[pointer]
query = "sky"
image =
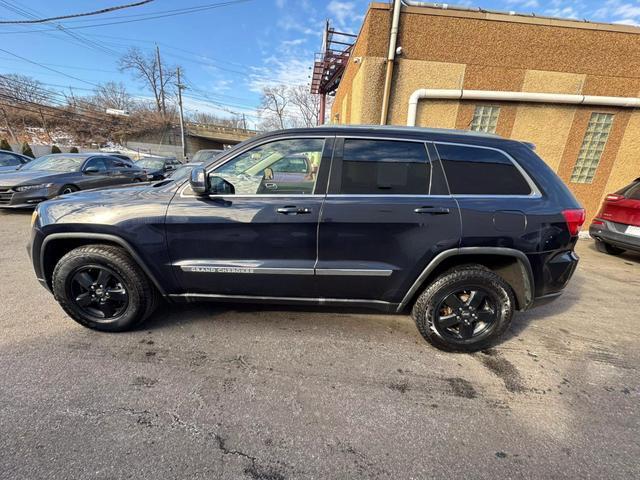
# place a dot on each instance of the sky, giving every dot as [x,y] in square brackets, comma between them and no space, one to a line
[228,49]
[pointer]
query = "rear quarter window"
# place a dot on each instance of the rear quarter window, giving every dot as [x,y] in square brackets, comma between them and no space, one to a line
[480,171]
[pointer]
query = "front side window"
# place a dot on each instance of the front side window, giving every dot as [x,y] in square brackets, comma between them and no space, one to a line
[592,147]
[485,119]
[279,168]
[98,163]
[385,167]
[480,171]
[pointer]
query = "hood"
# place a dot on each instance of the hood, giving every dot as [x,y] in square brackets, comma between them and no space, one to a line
[110,206]
[8,168]
[20,177]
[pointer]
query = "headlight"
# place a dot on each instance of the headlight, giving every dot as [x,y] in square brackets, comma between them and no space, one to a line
[26,188]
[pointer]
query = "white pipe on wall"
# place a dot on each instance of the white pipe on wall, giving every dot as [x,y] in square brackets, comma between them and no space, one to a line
[498,96]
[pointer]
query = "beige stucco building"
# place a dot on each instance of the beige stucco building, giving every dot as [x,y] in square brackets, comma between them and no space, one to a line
[595,148]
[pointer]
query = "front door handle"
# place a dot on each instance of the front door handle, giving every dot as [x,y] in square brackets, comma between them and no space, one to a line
[432,210]
[291,210]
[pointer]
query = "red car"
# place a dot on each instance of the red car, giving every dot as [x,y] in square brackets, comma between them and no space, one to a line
[616,228]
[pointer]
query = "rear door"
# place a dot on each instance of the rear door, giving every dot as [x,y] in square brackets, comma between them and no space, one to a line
[386,215]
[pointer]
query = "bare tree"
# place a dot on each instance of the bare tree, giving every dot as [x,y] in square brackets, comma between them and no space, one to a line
[273,106]
[112,95]
[282,106]
[22,88]
[146,68]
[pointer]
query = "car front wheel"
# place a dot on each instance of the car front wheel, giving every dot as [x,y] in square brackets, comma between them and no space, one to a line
[102,288]
[465,309]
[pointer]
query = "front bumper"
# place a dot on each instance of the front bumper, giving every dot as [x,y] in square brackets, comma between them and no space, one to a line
[11,199]
[613,233]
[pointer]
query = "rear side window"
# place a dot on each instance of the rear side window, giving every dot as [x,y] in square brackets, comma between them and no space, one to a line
[480,171]
[632,192]
[385,167]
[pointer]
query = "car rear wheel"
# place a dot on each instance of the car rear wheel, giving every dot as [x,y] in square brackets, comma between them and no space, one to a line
[102,288]
[465,309]
[605,247]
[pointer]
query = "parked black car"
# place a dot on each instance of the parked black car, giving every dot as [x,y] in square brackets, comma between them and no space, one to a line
[52,175]
[11,161]
[464,227]
[158,168]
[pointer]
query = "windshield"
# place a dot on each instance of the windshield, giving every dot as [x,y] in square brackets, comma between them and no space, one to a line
[55,163]
[203,156]
[151,163]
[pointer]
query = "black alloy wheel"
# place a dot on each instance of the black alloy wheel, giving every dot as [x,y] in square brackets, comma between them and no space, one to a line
[464,314]
[98,292]
[465,309]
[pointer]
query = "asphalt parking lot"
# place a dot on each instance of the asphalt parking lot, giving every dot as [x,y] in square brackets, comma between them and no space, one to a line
[214,391]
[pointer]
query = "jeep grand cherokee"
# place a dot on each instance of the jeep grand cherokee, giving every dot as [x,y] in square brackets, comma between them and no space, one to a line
[463,228]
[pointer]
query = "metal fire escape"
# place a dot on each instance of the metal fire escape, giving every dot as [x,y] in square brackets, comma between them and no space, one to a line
[330,64]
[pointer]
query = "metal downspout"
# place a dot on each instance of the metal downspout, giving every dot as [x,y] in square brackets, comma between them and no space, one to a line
[393,38]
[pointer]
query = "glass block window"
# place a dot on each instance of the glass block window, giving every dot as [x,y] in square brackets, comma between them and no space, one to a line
[592,147]
[485,118]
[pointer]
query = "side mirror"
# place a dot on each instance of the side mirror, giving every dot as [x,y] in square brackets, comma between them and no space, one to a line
[219,186]
[169,167]
[198,181]
[91,170]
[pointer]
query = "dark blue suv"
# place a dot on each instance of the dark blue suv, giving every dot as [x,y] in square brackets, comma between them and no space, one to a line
[464,228]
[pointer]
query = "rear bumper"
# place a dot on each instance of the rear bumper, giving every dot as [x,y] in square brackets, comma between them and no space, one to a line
[552,272]
[613,233]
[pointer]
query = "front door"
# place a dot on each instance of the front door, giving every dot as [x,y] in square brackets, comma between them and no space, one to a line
[258,237]
[387,214]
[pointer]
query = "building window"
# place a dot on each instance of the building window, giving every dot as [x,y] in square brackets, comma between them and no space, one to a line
[592,147]
[485,118]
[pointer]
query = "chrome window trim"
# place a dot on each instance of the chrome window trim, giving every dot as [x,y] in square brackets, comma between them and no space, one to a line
[246,149]
[535,192]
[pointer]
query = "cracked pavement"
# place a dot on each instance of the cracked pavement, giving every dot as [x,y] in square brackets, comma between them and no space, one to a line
[249,392]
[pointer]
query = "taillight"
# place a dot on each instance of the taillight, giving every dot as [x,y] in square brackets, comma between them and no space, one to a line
[575,218]
[597,221]
[613,197]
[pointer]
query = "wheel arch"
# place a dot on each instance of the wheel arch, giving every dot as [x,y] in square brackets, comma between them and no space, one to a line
[510,264]
[56,245]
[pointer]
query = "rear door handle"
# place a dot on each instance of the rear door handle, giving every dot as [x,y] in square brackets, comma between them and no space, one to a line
[291,210]
[432,210]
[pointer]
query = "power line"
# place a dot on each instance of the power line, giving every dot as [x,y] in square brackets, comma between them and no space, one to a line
[86,14]
[167,13]
[47,68]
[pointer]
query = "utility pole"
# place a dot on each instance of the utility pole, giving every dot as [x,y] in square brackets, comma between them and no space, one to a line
[182,132]
[162,102]
[244,121]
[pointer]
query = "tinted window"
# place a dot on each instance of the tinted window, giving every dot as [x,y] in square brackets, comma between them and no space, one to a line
[8,160]
[632,193]
[480,171]
[385,167]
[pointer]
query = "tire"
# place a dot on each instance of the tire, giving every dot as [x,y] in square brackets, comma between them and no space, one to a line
[456,328]
[66,189]
[124,296]
[605,247]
